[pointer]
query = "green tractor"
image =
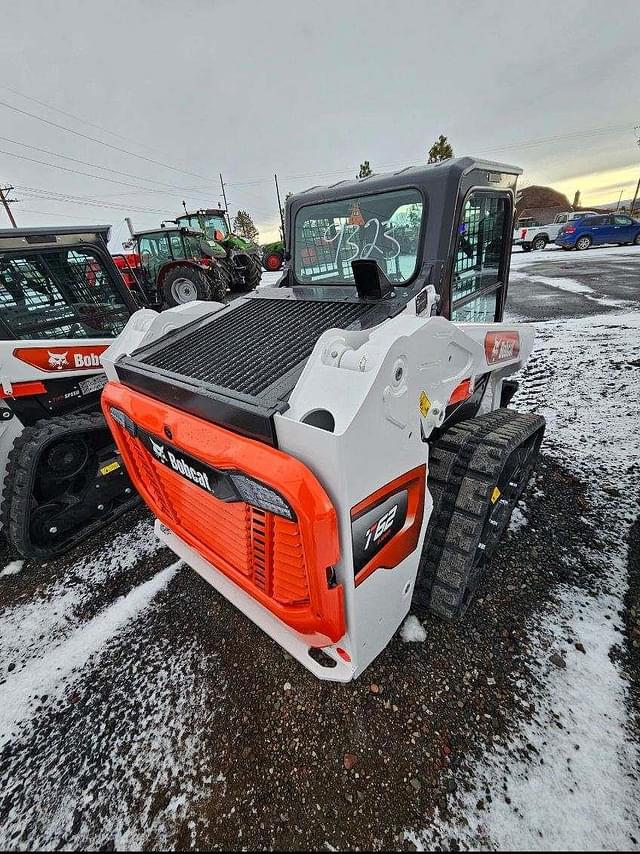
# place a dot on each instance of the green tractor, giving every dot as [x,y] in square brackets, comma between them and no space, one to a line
[243,267]
[173,265]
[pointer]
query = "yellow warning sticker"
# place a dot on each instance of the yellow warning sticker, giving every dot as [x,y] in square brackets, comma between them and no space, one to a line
[495,494]
[425,404]
[110,467]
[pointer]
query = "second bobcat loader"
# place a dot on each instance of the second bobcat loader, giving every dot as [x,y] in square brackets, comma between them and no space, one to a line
[333,451]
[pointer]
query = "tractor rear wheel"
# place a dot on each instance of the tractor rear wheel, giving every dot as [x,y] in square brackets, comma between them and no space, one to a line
[477,472]
[183,284]
[253,274]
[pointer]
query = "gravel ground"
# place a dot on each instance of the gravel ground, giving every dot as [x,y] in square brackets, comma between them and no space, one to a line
[141,710]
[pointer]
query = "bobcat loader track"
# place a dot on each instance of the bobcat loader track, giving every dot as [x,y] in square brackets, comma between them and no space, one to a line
[61,472]
[477,472]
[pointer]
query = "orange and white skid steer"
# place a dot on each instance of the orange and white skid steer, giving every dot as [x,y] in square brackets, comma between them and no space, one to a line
[62,302]
[331,451]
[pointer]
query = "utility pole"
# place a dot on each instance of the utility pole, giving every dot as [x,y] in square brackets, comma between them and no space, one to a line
[226,207]
[7,202]
[635,196]
[275,178]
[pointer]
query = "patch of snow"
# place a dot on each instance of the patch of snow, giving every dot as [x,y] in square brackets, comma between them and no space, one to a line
[30,626]
[49,675]
[557,254]
[123,759]
[518,519]
[12,568]
[569,285]
[412,630]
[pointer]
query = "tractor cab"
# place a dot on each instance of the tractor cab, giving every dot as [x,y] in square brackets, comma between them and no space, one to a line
[211,221]
[177,264]
[446,225]
[243,257]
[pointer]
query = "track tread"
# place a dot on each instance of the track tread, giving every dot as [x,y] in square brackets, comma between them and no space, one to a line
[17,492]
[464,466]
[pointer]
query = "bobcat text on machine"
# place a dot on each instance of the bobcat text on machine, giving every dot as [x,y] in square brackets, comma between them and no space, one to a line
[332,451]
[62,302]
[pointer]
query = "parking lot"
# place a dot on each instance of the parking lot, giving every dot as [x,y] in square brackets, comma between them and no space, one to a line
[141,710]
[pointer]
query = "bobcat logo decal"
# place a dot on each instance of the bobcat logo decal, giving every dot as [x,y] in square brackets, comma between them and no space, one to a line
[57,360]
[158,450]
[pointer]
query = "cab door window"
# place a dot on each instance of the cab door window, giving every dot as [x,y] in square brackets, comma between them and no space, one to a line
[66,293]
[154,252]
[479,258]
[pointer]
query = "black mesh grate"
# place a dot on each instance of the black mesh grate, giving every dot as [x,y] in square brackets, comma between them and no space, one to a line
[251,347]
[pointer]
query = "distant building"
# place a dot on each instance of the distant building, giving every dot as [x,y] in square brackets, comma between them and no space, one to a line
[541,203]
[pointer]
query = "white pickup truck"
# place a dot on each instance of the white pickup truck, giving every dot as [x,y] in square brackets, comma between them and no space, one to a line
[536,237]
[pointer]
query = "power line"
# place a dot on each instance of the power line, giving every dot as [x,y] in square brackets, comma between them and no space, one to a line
[53,195]
[97,166]
[507,147]
[81,120]
[102,142]
[85,174]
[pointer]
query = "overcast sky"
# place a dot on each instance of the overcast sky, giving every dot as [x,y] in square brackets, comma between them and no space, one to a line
[307,90]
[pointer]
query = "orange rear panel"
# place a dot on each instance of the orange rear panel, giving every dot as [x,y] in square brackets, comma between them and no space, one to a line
[284,564]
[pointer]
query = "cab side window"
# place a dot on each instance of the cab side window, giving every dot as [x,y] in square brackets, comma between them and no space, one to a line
[176,245]
[478,272]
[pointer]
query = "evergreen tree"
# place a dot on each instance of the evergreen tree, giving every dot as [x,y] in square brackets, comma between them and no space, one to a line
[243,225]
[440,150]
[365,170]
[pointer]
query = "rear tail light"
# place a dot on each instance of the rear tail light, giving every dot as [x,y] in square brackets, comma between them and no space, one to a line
[260,495]
[568,229]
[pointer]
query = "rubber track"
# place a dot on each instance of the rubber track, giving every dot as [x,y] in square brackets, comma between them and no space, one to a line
[464,467]
[18,486]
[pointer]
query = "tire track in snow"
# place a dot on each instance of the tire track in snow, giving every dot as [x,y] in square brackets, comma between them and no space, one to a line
[49,675]
[28,628]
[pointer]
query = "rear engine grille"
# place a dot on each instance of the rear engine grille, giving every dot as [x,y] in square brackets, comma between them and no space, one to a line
[237,538]
[249,348]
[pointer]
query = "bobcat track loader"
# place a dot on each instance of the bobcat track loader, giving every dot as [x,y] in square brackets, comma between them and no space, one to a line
[62,302]
[330,452]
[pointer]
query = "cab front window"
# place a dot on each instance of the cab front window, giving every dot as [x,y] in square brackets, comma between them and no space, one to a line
[331,235]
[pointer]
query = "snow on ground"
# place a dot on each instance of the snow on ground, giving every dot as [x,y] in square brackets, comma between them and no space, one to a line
[412,630]
[518,517]
[556,253]
[12,568]
[78,684]
[50,674]
[30,626]
[564,284]
[578,791]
